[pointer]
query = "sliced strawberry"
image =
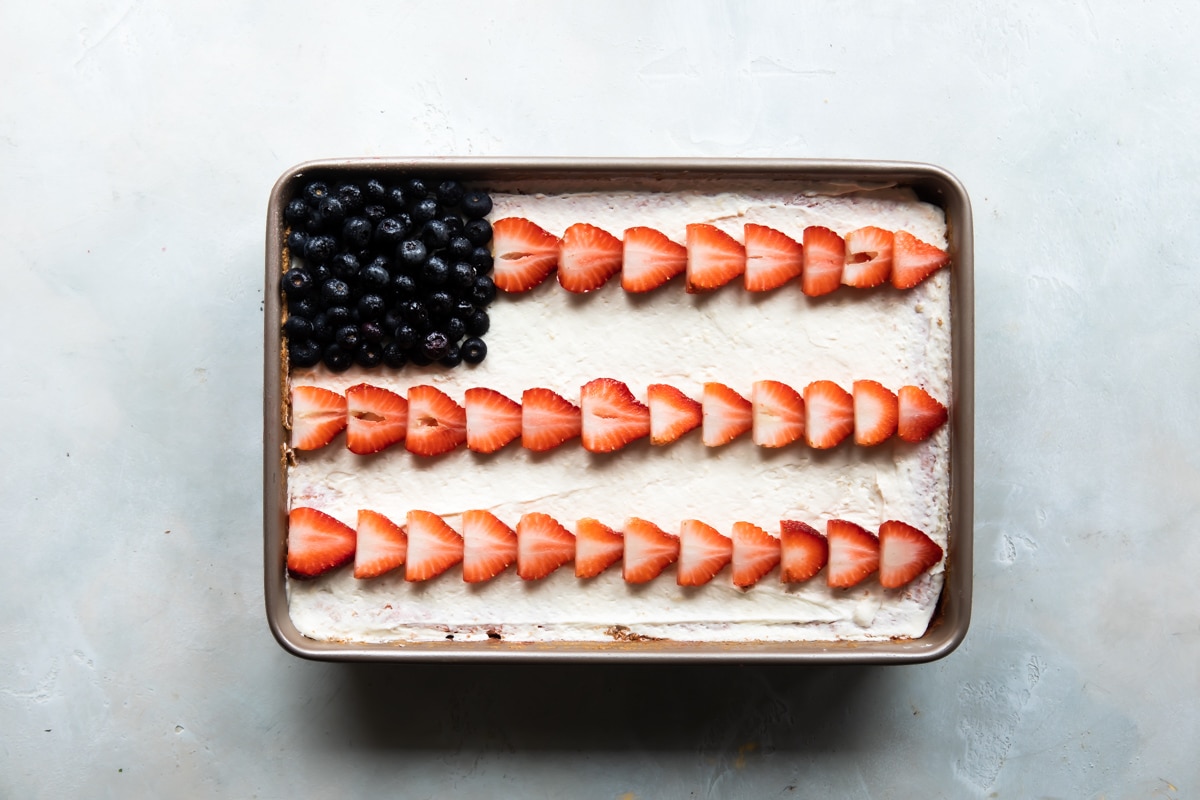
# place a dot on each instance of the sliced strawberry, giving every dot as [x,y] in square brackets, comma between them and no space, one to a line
[703,552]
[317,543]
[382,545]
[318,415]
[542,546]
[436,424]
[828,414]
[433,546]
[650,259]
[714,258]
[824,257]
[489,546]
[493,420]
[525,254]
[778,414]
[853,553]
[805,551]
[868,257]
[727,415]
[597,547]
[648,550]
[904,553]
[913,260]
[920,414]
[755,553]
[875,413]
[612,416]
[377,419]
[772,258]
[587,257]
[547,420]
[672,413]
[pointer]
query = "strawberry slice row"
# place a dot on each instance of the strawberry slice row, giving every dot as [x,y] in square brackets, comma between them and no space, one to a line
[586,257]
[609,416]
[426,546]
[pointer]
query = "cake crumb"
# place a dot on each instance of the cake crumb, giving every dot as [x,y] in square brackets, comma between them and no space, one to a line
[620,633]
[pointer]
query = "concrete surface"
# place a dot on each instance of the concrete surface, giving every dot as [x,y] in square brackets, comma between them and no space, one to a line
[138,142]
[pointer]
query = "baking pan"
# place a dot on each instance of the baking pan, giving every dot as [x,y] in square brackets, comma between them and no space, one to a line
[932,184]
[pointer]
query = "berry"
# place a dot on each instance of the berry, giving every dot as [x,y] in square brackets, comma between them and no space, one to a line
[424,210]
[547,418]
[415,187]
[389,232]
[315,192]
[727,415]
[374,214]
[296,282]
[648,550]
[320,249]
[298,328]
[402,286]
[914,260]
[376,418]
[853,553]
[304,354]
[525,254]
[332,210]
[318,415]
[337,316]
[587,257]
[919,414]
[436,271]
[460,247]
[347,336]
[904,553]
[703,552]
[772,258]
[714,258]
[371,331]
[489,546]
[755,553]
[650,259]
[434,345]
[824,259]
[433,546]
[436,424]
[478,232]
[478,323]
[317,543]
[345,266]
[335,290]
[805,552]
[597,547]
[828,414]
[395,199]
[436,234]
[411,252]
[473,350]
[356,232]
[306,307]
[476,205]
[778,414]
[337,358]
[481,259]
[543,545]
[612,416]
[483,291]
[375,275]
[439,303]
[462,275]
[876,413]
[868,257]
[454,328]
[368,354]
[394,355]
[452,358]
[382,545]
[450,192]
[351,197]
[370,306]
[672,413]
[296,212]
[297,241]
[374,191]
[493,420]
[405,337]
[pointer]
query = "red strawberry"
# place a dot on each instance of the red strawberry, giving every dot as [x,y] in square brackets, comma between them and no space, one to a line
[672,413]
[805,551]
[377,418]
[650,259]
[489,546]
[853,553]
[318,415]
[920,414]
[714,258]
[755,553]
[382,545]
[703,552]
[436,424]
[868,257]
[612,416]
[772,258]
[542,546]
[727,415]
[648,550]
[597,547]
[875,413]
[824,257]
[493,420]
[913,260]
[778,414]
[547,420]
[587,257]
[316,542]
[904,553]
[525,254]
[828,414]
[433,546]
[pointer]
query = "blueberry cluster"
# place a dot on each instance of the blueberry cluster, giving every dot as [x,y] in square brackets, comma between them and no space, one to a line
[389,274]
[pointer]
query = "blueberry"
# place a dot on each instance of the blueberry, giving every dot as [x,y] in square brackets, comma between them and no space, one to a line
[439,303]
[356,232]
[460,248]
[393,355]
[402,286]
[335,291]
[320,249]
[337,358]
[389,232]
[315,223]
[453,222]
[347,336]
[463,308]
[345,266]
[315,192]
[462,275]
[320,273]
[371,331]
[418,358]
[297,282]
[405,337]
[479,231]
[450,193]
[395,198]
[476,205]
[298,328]
[368,354]
[374,191]
[452,358]
[484,291]
[436,234]
[332,210]
[296,241]
[337,316]
[374,213]
[322,330]
[375,275]
[351,197]
[436,271]
[306,307]
[481,259]
[416,188]
[296,211]
[473,350]
[304,354]
[478,323]
[418,317]
[411,251]
[370,306]
[434,345]
[425,210]
[455,328]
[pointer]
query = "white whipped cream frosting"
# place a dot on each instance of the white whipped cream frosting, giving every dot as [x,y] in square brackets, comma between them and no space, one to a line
[553,339]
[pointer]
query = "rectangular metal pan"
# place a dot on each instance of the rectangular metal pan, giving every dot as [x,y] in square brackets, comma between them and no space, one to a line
[932,184]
